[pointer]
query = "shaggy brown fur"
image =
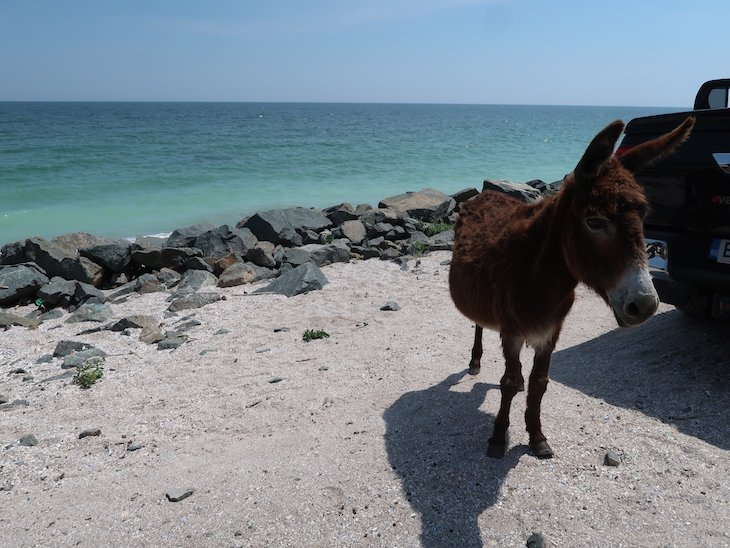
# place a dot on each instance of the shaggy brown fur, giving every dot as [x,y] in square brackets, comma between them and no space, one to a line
[515,265]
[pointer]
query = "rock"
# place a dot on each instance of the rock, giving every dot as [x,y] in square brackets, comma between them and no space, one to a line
[237,274]
[135,321]
[178,494]
[172,341]
[281,330]
[535,540]
[45,358]
[353,231]
[114,255]
[223,240]
[338,214]
[262,255]
[149,284]
[19,282]
[396,233]
[89,432]
[389,254]
[302,279]
[269,225]
[419,205]
[15,404]
[87,293]
[77,359]
[66,348]
[366,252]
[375,216]
[390,306]
[443,241]
[149,242]
[74,241]
[225,262]
[290,238]
[198,263]
[57,292]
[336,252]
[151,334]
[51,315]
[169,277]
[186,326]
[91,312]
[134,446]
[170,257]
[520,191]
[196,300]
[4,399]
[54,259]
[612,458]
[185,237]
[7,319]
[196,279]
[29,440]
[361,209]
[546,189]
[296,256]
[464,195]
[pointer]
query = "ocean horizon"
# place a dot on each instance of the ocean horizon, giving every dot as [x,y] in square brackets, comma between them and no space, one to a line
[124,169]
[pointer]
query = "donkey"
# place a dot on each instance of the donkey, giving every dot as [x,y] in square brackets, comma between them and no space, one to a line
[515,266]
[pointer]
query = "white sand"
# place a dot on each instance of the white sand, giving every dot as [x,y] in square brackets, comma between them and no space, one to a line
[374,437]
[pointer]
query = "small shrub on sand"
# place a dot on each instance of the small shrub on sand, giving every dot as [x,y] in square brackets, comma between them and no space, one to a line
[310,335]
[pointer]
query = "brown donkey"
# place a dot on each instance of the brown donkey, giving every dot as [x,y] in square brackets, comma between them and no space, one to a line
[515,266]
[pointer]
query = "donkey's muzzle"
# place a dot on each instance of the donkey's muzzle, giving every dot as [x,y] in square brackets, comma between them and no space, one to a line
[637,311]
[634,300]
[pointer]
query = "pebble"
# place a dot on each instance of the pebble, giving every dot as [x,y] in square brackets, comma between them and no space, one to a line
[222,331]
[29,440]
[45,358]
[281,330]
[90,432]
[612,458]
[134,446]
[178,494]
[390,306]
[274,380]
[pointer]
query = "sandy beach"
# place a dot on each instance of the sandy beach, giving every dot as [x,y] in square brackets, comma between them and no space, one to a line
[374,436]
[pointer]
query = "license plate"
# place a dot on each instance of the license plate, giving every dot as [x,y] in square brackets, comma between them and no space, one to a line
[720,251]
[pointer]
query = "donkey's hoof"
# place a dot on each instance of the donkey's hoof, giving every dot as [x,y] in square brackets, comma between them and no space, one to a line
[542,450]
[496,451]
[474,369]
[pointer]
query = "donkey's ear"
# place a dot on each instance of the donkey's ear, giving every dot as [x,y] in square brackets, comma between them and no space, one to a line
[640,156]
[600,150]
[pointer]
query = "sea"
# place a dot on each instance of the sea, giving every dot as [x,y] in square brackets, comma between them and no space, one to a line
[131,169]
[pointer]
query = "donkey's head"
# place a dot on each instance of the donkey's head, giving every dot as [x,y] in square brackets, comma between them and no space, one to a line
[605,244]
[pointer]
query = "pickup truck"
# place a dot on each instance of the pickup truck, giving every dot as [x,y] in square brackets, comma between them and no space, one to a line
[687,231]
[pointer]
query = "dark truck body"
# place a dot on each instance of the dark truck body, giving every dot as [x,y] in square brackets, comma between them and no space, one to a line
[688,228]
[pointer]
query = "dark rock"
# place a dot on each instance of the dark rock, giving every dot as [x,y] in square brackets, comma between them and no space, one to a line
[74,241]
[546,189]
[185,237]
[419,205]
[375,216]
[336,252]
[275,380]
[19,282]
[134,446]
[7,319]
[464,195]
[115,255]
[389,254]
[196,300]
[535,540]
[187,325]
[376,242]
[135,321]
[91,312]
[302,279]
[29,440]
[51,315]
[443,241]
[224,240]
[197,263]
[89,432]
[172,341]
[281,330]
[54,259]
[390,306]
[262,255]
[224,262]
[170,257]
[149,242]
[15,404]
[57,292]
[178,494]
[169,277]
[520,191]
[4,399]
[66,348]
[361,209]
[296,256]
[149,284]
[309,236]
[45,358]
[269,225]
[290,238]
[396,233]
[338,214]
[87,293]
[151,334]
[444,212]
[237,274]
[77,359]
[366,252]
[612,458]
[196,279]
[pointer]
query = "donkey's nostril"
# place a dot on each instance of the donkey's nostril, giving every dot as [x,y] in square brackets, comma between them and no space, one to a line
[632,309]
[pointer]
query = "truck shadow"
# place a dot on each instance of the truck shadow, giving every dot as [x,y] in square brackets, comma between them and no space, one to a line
[674,367]
[437,444]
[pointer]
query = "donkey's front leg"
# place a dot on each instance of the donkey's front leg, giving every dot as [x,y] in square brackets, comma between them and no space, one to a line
[536,389]
[511,383]
[476,351]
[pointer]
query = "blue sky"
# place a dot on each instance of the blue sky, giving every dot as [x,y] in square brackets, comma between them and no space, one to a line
[566,52]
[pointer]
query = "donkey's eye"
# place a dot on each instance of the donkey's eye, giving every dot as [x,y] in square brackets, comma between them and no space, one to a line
[596,223]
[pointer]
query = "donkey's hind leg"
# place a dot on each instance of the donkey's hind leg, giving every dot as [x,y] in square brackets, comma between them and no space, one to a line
[511,383]
[476,351]
[536,389]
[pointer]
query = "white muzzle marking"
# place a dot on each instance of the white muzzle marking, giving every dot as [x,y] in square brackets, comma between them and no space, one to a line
[634,299]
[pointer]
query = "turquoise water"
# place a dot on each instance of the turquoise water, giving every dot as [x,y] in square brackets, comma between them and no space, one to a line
[126,169]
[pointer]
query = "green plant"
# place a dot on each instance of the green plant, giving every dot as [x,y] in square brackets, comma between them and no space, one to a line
[328,238]
[310,335]
[420,249]
[431,229]
[88,373]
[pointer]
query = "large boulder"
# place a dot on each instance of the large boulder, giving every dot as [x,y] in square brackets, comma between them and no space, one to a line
[185,237]
[20,281]
[57,292]
[170,257]
[336,252]
[521,191]
[115,255]
[269,225]
[55,259]
[302,279]
[353,231]
[338,214]
[421,205]
[223,240]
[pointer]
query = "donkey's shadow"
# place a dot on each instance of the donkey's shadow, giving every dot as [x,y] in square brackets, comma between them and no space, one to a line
[437,444]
